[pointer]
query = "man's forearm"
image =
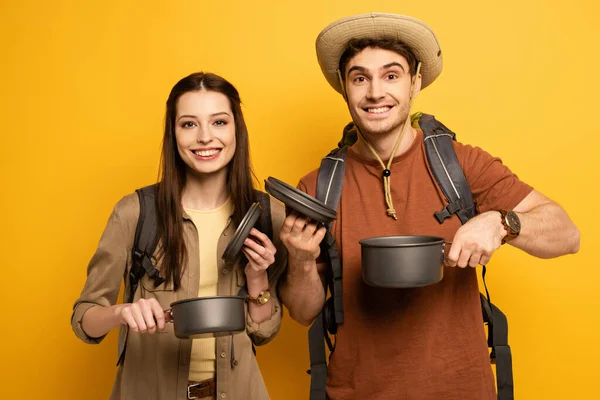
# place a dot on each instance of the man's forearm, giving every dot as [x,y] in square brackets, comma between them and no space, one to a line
[303,292]
[547,232]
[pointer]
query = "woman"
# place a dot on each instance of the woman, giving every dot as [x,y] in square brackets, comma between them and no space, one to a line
[205,190]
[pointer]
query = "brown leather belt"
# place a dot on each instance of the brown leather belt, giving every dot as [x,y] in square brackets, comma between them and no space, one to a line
[198,390]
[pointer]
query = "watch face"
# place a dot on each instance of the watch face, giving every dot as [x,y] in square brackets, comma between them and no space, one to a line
[513,221]
[263,297]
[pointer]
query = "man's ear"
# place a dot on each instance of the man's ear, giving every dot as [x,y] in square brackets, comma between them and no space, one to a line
[342,84]
[416,86]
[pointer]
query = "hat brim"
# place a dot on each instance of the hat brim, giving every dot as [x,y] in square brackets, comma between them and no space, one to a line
[333,40]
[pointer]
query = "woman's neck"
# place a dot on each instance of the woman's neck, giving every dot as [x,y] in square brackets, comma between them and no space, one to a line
[205,192]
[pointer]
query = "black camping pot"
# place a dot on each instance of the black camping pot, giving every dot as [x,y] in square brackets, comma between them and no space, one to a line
[208,316]
[402,261]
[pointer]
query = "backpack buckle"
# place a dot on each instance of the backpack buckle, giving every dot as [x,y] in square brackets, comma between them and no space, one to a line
[138,255]
[447,211]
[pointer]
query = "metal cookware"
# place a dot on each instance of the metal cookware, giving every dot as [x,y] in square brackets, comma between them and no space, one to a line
[299,201]
[233,251]
[402,261]
[208,316]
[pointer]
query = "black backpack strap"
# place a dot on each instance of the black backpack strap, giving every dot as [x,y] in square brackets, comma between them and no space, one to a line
[498,342]
[318,362]
[446,170]
[329,190]
[144,244]
[145,241]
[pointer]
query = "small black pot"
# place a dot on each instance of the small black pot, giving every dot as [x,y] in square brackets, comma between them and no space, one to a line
[208,316]
[402,261]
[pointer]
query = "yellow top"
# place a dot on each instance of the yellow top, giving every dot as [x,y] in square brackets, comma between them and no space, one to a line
[210,225]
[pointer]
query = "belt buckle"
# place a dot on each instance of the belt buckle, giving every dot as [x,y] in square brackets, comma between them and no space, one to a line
[189,395]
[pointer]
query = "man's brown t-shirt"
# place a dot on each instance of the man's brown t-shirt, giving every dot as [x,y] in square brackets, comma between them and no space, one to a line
[423,343]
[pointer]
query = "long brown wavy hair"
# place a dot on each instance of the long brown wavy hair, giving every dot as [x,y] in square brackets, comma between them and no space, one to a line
[172,174]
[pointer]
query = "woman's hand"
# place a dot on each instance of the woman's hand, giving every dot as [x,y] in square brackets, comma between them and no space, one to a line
[260,252]
[144,315]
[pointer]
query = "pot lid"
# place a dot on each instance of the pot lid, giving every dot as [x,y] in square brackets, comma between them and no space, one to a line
[233,250]
[299,201]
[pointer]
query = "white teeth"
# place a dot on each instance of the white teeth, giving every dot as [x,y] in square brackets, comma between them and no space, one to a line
[205,153]
[378,110]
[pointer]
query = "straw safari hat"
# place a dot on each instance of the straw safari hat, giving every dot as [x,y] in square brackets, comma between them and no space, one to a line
[333,41]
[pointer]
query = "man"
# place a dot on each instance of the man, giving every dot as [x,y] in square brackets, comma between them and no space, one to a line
[418,343]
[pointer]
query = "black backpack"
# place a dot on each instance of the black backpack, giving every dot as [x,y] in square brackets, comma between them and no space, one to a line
[146,240]
[443,162]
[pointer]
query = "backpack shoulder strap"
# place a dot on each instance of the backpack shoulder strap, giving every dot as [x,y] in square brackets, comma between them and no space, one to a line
[145,241]
[330,182]
[446,170]
[329,190]
[144,244]
[331,177]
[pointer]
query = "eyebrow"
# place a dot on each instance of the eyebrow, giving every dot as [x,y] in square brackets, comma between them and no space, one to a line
[393,64]
[194,116]
[386,66]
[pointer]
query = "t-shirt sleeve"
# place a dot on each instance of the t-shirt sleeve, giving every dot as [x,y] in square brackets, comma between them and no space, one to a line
[302,186]
[308,183]
[493,184]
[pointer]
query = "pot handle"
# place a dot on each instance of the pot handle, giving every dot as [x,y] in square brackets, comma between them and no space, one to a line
[444,250]
[169,315]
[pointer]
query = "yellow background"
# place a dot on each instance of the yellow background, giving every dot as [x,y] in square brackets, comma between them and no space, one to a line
[82,93]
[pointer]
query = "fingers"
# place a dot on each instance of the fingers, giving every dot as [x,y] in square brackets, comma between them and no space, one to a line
[159,315]
[468,259]
[485,259]
[298,225]
[127,318]
[264,239]
[255,247]
[462,257]
[136,313]
[145,315]
[302,237]
[453,254]
[288,223]
[474,260]
[320,233]
[255,258]
[263,253]
[257,264]
[257,254]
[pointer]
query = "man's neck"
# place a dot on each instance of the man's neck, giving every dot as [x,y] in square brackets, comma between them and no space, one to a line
[384,143]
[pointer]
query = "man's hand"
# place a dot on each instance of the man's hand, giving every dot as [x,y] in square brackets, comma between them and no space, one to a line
[302,238]
[475,242]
